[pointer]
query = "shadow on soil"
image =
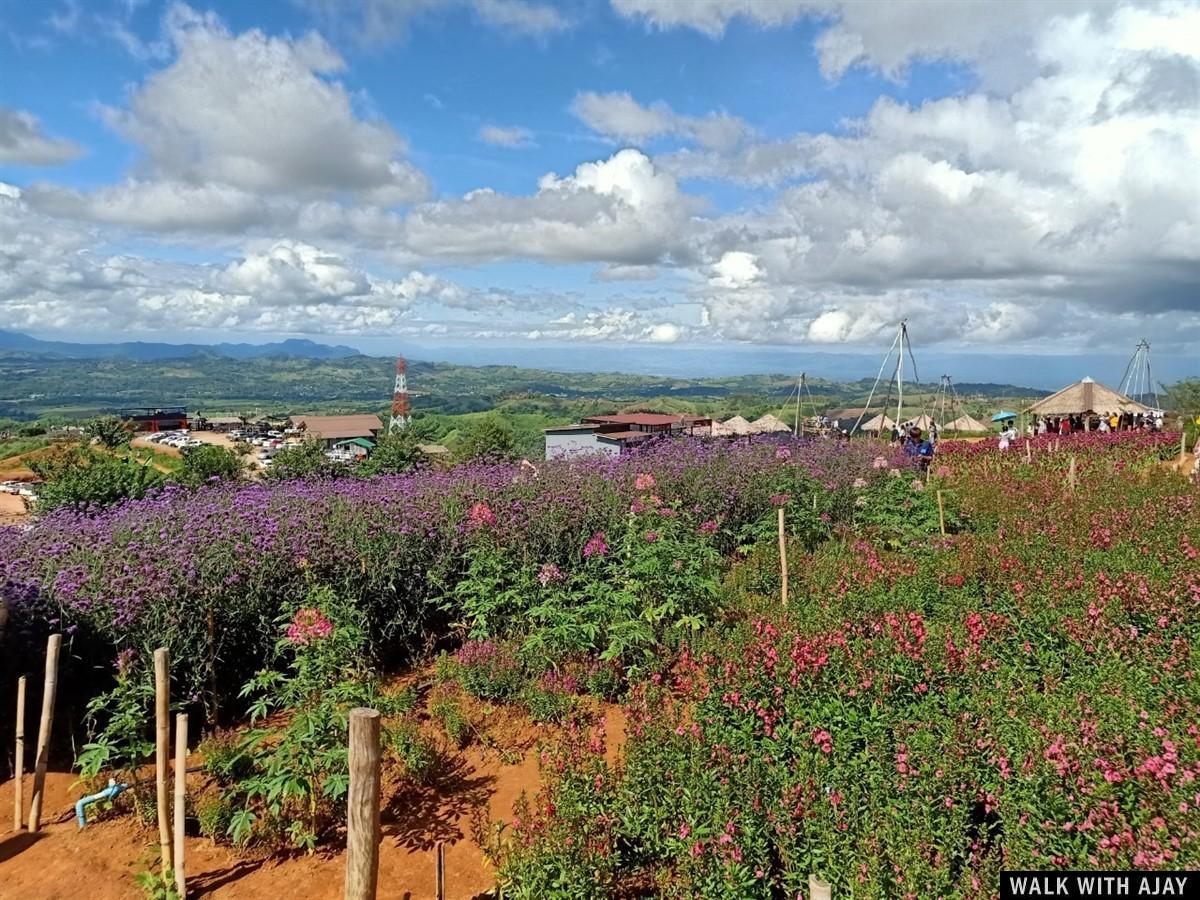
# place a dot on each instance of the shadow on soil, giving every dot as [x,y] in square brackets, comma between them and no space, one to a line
[420,816]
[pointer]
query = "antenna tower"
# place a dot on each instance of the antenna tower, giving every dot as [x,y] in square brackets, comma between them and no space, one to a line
[401,410]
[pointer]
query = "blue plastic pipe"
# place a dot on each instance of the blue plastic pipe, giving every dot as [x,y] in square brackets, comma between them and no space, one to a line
[109,793]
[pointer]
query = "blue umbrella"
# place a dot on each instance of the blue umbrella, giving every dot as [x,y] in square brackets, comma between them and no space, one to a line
[1003,415]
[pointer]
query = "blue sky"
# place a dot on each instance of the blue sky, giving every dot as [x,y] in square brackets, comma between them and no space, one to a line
[525,178]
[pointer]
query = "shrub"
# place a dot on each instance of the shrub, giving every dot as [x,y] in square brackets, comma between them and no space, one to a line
[416,752]
[449,714]
[551,698]
[489,669]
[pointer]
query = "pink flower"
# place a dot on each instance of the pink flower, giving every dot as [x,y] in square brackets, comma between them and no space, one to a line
[708,527]
[308,625]
[780,499]
[783,453]
[879,463]
[860,482]
[644,482]
[549,573]
[480,515]
[596,546]
[651,537]
[824,740]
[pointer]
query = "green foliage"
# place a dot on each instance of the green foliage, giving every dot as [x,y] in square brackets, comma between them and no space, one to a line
[490,438]
[305,460]
[156,885]
[449,714]
[490,669]
[109,431]
[215,815]
[84,479]
[394,454]
[416,752]
[903,510]
[208,463]
[296,788]
[1184,397]
[119,726]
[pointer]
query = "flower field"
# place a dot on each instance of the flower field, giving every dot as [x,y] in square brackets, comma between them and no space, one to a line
[1019,692]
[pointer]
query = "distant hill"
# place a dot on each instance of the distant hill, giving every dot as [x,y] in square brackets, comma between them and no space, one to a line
[15,343]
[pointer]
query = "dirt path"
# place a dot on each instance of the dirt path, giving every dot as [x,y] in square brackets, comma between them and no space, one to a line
[101,862]
[12,510]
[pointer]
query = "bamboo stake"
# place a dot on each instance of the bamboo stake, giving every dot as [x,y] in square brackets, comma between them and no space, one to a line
[1028,452]
[818,889]
[362,806]
[162,751]
[1182,444]
[441,871]
[19,774]
[783,568]
[941,514]
[49,692]
[1072,479]
[181,736]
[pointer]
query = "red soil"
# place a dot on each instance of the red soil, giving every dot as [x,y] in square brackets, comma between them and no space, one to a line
[100,862]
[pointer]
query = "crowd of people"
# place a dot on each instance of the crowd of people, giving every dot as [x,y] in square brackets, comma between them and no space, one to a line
[1109,421]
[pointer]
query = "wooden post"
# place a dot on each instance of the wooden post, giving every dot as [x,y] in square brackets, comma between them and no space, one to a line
[818,889]
[162,751]
[1183,443]
[1072,479]
[783,568]
[441,871]
[19,760]
[181,736]
[1028,452]
[941,514]
[49,692]
[362,806]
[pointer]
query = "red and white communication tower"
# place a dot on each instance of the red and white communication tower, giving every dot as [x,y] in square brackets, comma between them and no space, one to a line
[401,411]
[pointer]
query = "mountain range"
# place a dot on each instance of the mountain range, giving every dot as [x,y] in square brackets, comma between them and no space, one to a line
[15,343]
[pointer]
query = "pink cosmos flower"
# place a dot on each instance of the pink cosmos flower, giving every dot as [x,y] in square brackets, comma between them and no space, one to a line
[308,625]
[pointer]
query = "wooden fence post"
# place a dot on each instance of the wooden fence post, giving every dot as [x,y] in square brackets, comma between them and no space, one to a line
[1028,452]
[162,752]
[818,889]
[362,806]
[783,568]
[1072,478]
[941,514]
[19,760]
[441,871]
[49,692]
[181,736]
[1183,443]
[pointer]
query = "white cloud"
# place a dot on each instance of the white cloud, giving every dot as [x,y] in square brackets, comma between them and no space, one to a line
[618,116]
[22,141]
[612,324]
[513,136]
[382,21]
[620,209]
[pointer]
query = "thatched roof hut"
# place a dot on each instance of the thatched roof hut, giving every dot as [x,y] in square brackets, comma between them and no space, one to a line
[767,424]
[1086,396]
[967,424]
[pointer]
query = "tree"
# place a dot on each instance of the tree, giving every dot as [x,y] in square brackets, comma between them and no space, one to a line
[490,438]
[209,463]
[84,480]
[306,460]
[1184,397]
[396,453]
[110,431]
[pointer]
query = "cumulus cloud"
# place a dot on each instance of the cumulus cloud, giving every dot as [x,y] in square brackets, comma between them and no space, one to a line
[513,136]
[618,116]
[612,324]
[22,141]
[621,209]
[240,127]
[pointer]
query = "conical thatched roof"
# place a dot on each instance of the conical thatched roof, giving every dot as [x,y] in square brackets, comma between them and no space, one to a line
[735,426]
[1086,396]
[966,423]
[768,423]
[877,423]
